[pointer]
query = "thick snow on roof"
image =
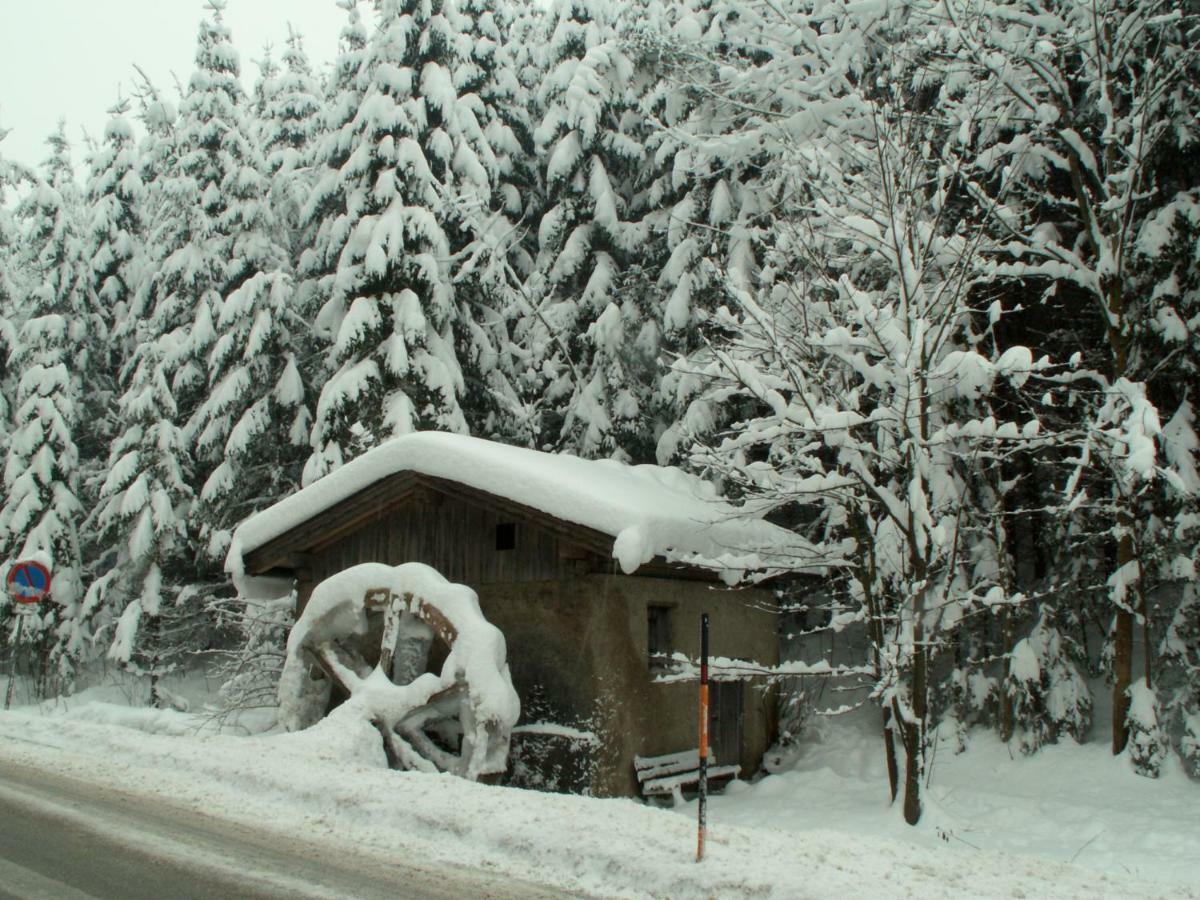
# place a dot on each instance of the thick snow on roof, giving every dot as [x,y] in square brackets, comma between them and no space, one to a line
[649,510]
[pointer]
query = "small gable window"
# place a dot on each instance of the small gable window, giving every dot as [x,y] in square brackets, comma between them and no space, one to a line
[506,536]
[658,634]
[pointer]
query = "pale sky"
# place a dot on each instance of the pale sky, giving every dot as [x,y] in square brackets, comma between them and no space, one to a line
[71,58]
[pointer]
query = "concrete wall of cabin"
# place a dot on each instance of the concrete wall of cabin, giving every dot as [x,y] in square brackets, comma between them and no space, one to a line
[577,639]
[580,646]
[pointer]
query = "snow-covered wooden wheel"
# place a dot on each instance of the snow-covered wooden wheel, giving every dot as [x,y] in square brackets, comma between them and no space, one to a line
[458,720]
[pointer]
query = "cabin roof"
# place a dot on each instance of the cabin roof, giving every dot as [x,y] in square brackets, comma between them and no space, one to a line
[644,512]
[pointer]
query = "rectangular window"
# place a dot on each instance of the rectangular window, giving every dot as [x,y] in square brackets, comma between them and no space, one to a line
[658,634]
[506,536]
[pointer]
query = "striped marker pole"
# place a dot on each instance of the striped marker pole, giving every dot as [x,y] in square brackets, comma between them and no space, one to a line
[703,804]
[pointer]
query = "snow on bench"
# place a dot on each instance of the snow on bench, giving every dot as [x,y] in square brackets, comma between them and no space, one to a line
[668,775]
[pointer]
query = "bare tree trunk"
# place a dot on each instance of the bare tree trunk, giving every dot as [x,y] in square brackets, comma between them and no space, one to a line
[866,577]
[1113,297]
[889,752]
[914,732]
[1122,645]
[155,640]
[1007,722]
[889,737]
[1148,655]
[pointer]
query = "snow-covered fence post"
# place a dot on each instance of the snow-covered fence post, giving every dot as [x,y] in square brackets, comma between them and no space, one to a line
[703,804]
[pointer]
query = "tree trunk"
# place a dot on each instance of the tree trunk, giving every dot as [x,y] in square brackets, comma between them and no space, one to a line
[866,578]
[889,752]
[912,778]
[912,731]
[1114,301]
[1007,722]
[914,743]
[1122,647]
[911,739]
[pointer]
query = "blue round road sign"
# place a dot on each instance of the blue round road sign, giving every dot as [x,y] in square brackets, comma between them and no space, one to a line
[28,581]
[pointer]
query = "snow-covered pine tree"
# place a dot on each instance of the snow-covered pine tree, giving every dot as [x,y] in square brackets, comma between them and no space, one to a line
[387,195]
[197,407]
[703,193]
[1080,105]
[878,380]
[291,117]
[317,264]
[1180,676]
[156,156]
[335,124]
[10,176]
[591,343]
[1048,695]
[250,417]
[144,503]
[262,95]
[160,228]
[133,510]
[322,218]
[486,224]
[527,61]
[114,244]
[290,126]
[41,513]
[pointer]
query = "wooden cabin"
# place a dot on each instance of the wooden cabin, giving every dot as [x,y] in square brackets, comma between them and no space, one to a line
[592,570]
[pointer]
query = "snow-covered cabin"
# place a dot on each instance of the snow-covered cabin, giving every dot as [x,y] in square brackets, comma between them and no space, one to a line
[591,569]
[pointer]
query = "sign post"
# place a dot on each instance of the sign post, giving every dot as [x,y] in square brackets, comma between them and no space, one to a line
[28,583]
[703,796]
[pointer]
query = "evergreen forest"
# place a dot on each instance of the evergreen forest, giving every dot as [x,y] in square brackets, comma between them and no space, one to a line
[916,279]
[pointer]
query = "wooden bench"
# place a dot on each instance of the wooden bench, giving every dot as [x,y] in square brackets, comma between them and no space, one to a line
[667,776]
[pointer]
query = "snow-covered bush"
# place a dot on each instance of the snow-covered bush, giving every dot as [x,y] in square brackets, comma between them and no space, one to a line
[1049,697]
[250,670]
[1178,682]
[1189,744]
[969,697]
[1147,742]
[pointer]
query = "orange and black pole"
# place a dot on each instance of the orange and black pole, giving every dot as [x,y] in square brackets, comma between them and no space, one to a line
[703,804]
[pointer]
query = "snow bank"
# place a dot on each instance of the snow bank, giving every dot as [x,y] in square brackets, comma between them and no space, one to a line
[649,510]
[1068,803]
[821,832]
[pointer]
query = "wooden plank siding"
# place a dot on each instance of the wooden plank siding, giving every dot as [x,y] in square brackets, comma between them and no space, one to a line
[407,517]
[456,538]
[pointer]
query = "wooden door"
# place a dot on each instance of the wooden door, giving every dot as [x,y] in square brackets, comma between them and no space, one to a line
[725,721]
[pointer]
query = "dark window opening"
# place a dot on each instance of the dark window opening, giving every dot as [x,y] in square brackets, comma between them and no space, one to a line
[725,715]
[658,635]
[506,536]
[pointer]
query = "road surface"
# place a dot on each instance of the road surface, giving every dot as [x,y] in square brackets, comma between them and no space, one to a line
[62,838]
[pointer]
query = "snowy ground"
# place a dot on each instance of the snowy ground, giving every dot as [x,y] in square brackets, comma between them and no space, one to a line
[995,826]
[1069,803]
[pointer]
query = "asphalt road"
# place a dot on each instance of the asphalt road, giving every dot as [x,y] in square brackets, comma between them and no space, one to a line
[62,838]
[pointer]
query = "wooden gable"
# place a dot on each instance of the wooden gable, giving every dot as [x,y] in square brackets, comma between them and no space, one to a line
[469,535]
